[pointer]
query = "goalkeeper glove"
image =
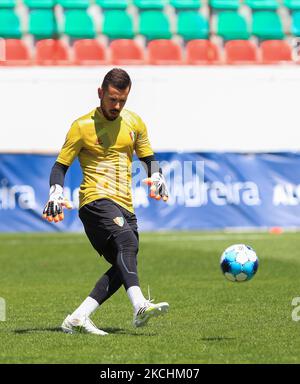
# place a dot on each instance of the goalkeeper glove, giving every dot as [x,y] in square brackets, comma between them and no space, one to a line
[158,186]
[53,210]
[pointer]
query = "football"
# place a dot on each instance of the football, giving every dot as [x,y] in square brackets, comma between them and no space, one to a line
[239,262]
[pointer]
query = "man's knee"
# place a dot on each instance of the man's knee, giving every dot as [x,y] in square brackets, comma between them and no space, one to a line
[127,242]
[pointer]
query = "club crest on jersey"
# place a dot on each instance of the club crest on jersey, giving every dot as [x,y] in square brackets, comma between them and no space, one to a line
[119,221]
[132,135]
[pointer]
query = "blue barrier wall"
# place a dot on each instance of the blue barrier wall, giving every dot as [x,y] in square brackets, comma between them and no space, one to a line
[207,191]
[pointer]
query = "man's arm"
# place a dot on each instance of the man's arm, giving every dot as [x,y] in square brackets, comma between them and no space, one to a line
[53,210]
[155,179]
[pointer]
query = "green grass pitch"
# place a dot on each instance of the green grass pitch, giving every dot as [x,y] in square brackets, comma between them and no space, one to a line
[211,320]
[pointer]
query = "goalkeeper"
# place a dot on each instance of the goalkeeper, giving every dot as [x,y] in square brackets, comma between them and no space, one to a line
[104,141]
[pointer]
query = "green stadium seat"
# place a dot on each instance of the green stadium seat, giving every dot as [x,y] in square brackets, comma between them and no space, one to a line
[154,25]
[42,23]
[186,4]
[232,26]
[192,25]
[267,25]
[79,25]
[295,29]
[118,24]
[150,4]
[74,4]
[260,5]
[39,3]
[292,5]
[7,3]
[112,4]
[9,24]
[224,4]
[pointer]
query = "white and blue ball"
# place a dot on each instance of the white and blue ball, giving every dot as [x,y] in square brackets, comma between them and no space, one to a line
[239,262]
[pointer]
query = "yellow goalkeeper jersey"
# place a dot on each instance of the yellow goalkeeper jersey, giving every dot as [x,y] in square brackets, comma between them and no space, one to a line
[105,150]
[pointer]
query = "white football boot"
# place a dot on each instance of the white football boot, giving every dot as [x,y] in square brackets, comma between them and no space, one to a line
[82,325]
[148,310]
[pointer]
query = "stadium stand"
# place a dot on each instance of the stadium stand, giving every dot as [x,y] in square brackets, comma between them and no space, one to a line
[118,24]
[164,52]
[241,52]
[10,26]
[126,52]
[202,52]
[113,4]
[7,3]
[51,52]
[89,52]
[192,25]
[275,51]
[181,21]
[42,24]
[17,53]
[40,4]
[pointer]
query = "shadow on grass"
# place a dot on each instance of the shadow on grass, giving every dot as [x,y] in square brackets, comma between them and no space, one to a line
[58,329]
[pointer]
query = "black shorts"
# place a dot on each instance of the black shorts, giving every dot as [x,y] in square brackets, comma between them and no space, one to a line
[103,221]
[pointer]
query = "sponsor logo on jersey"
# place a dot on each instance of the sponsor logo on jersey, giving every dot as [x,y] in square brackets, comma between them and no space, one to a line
[119,221]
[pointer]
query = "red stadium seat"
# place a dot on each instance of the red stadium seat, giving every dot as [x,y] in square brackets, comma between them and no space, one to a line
[164,52]
[51,52]
[126,51]
[89,52]
[16,53]
[275,51]
[240,52]
[199,52]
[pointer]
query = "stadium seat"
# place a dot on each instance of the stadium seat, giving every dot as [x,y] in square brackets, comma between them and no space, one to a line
[164,52]
[186,4]
[232,26]
[240,52]
[202,52]
[126,52]
[149,4]
[42,23]
[292,5]
[267,25]
[16,53]
[224,4]
[118,24]
[275,51]
[51,52]
[112,4]
[9,24]
[295,28]
[260,5]
[74,4]
[89,52]
[154,25]
[40,4]
[79,25]
[7,3]
[192,25]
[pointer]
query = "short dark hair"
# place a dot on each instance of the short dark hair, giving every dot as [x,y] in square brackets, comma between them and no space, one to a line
[117,78]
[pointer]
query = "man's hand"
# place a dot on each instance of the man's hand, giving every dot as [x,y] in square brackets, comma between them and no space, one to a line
[158,186]
[53,210]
